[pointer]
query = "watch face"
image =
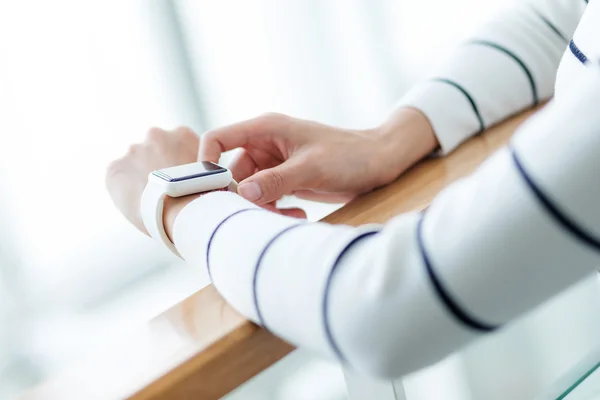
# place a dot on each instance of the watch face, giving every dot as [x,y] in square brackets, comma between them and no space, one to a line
[189,171]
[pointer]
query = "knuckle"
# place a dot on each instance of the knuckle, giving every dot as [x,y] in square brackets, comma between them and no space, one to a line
[208,136]
[272,118]
[275,181]
[211,134]
[187,136]
[271,115]
[113,169]
[134,149]
[155,133]
[185,131]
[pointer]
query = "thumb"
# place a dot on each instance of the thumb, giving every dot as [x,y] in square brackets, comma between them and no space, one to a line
[271,184]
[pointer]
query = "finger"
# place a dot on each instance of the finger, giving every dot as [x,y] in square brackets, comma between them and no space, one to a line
[293,212]
[189,138]
[324,197]
[215,142]
[271,184]
[270,206]
[242,166]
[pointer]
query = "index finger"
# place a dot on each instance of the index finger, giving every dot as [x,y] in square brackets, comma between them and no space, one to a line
[218,141]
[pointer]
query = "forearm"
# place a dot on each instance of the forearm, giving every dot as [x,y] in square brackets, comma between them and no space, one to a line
[508,64]
[406,137]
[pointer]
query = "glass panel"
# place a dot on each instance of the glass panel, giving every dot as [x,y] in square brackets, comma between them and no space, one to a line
[587,387]
[298,376]
[582,382]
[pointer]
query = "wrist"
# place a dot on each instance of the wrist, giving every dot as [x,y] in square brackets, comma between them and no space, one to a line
[405,137]
[172,206]
[171,209]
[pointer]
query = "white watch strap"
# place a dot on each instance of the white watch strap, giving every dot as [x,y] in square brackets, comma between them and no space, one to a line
[151,208]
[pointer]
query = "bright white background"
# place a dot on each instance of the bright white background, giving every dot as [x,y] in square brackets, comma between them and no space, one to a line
[80,80]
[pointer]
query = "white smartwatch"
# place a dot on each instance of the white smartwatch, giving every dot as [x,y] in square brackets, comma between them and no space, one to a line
[178,181]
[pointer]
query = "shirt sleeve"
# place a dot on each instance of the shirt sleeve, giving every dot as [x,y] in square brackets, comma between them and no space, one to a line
[509,64]
[387,300]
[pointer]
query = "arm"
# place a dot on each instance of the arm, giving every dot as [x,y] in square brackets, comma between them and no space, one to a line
[388,300]
[509,64]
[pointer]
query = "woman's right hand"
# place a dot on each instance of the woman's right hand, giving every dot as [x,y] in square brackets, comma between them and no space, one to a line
[284,155]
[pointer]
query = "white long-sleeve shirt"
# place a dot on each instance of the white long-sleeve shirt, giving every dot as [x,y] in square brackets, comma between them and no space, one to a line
[387,300]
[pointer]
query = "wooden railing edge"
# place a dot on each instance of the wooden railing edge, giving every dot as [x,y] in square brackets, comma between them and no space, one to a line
[225,361]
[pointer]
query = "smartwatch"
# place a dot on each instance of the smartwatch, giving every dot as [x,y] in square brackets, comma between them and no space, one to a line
[178,181]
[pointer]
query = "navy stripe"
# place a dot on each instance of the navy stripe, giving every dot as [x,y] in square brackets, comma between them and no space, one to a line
[444,295]
[212,235]
[577,53]
[553,209]
[326,325]
[550,25]
[261,320]
[509,53]
[469,98]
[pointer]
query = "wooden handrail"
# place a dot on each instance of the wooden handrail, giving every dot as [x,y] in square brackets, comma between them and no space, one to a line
[202,349]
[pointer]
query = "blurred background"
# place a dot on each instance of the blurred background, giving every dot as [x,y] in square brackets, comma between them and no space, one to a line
[81,80]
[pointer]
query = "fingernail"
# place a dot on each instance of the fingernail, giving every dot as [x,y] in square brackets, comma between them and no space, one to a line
[250,191]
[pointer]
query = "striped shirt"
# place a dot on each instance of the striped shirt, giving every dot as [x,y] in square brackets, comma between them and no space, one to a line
[387,300]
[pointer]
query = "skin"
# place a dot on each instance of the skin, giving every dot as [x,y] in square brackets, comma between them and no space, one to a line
[280,155]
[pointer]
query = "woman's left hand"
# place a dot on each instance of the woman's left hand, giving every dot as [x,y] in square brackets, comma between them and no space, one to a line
[127,177]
